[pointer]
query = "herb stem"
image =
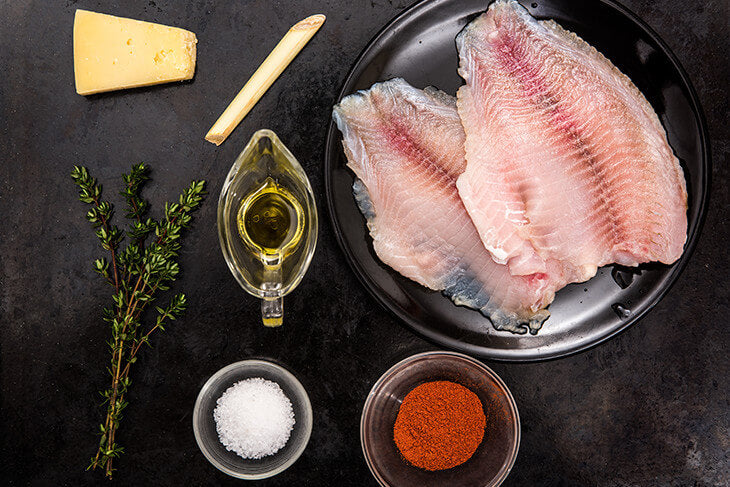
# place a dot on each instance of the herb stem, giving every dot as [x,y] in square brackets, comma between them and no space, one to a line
[112,248]
[155,267]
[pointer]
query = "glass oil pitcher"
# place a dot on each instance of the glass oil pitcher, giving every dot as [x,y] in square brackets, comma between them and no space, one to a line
[267,222]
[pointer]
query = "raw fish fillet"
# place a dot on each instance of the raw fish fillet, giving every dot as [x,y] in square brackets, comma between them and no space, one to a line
[568,165]
[406,147]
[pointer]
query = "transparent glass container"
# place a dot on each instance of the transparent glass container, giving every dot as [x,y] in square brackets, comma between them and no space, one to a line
[269,272]
[493,459]
[206,434]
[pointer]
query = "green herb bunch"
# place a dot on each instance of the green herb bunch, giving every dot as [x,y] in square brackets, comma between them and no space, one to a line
[146,266]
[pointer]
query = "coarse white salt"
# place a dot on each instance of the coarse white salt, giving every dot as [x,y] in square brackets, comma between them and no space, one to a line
[254,418]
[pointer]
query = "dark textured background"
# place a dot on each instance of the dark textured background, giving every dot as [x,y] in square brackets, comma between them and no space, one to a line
[648,408]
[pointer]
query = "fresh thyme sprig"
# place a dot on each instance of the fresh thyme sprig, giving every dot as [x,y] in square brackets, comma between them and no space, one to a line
[137,273]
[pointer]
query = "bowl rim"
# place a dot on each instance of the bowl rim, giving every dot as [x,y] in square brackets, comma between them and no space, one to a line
[399,367]
[291,379]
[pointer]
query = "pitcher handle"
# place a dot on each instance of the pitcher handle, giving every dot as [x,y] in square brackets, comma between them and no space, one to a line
[272,304]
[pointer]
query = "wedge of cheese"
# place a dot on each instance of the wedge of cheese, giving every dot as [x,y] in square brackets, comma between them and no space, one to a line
[114,53]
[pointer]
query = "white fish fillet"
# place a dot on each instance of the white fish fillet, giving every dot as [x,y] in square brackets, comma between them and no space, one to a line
[406,147]
[568,166]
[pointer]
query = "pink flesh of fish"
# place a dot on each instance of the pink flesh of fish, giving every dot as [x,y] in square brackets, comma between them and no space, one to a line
[406,146]
[568,166]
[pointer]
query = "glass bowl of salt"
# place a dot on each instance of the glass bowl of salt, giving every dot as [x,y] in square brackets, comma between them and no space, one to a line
[252,419]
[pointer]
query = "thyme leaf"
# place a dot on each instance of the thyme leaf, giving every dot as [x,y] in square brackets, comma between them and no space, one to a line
[138,272]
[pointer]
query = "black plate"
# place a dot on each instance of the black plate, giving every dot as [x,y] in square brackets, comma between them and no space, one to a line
[418,45]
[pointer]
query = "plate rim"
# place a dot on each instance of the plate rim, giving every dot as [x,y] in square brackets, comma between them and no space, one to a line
[439,340]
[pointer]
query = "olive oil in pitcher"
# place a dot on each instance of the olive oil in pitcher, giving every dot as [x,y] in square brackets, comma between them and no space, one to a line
[267,222]
[271,220]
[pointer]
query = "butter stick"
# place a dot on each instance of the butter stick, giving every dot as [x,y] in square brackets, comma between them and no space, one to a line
[286,50]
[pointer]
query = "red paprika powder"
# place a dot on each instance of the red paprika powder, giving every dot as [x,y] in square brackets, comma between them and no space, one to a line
[439,425]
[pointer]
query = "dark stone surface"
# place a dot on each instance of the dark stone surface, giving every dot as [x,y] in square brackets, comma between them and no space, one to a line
[648,408]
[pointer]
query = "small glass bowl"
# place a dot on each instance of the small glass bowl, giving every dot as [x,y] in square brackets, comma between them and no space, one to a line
[493,459]
[207,436]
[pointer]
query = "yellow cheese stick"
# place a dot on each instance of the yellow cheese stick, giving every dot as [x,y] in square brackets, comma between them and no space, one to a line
[286,50]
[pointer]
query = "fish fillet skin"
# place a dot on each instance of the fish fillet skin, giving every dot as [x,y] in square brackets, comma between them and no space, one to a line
[568,166]
[406,147]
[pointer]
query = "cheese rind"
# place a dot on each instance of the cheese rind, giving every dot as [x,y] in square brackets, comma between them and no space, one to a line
[114,53]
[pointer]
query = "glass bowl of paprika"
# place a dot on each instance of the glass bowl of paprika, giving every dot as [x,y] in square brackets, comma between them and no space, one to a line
[440,418]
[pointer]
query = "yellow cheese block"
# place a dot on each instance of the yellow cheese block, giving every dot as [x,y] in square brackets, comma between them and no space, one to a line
[114,53]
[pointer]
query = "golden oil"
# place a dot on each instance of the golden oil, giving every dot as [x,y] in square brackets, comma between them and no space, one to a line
[267,222]
[271,220]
